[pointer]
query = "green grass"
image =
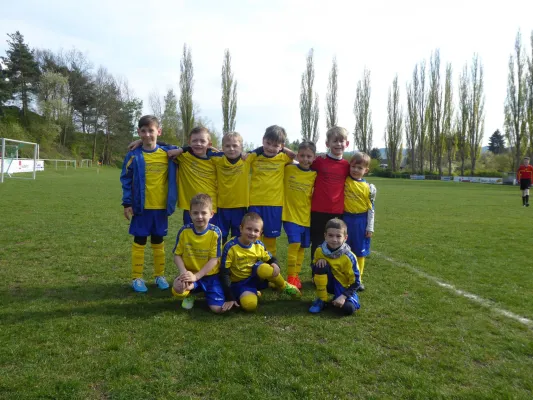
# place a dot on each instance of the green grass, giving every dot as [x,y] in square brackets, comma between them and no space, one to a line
[71,328]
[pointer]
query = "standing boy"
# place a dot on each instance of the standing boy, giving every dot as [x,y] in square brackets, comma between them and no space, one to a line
[524,175]
[149,196]
[336,272]
[196,255]
[298,185]
[246,266]
[359,199]
[266,191]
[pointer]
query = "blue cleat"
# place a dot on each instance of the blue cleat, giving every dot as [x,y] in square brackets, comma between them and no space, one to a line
[161,282]
[317,306]
[139,286]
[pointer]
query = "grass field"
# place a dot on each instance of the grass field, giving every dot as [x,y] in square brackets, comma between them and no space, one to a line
[71,327]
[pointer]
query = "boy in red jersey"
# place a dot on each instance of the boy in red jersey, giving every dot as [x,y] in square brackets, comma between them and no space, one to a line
[524,175]
[328,193]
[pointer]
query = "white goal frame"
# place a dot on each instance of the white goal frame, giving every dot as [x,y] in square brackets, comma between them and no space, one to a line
[6,164]
[86,161]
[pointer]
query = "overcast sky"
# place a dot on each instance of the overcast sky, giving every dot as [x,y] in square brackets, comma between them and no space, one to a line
[142,41]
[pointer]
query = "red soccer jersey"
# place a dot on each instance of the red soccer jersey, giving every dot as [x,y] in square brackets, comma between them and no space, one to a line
[328,194]
[524,172]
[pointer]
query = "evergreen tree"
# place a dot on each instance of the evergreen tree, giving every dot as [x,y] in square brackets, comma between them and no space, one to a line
[497,143]
[375,154]
[229,95]
[170,121]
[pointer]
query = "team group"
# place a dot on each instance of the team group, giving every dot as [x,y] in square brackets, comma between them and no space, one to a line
[322,202]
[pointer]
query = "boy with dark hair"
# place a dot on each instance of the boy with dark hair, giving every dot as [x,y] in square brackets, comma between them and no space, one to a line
[149,194]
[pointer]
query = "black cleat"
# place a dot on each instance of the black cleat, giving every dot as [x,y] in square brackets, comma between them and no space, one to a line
[361,288]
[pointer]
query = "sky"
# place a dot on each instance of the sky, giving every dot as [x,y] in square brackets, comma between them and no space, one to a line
[142,42]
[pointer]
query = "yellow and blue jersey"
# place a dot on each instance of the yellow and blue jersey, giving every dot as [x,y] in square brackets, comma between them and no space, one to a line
[197,248]
[148,180]
[240,259]
[344,268]
[196,175]
[233,181]
[356,196]
[267,178]
[298,185]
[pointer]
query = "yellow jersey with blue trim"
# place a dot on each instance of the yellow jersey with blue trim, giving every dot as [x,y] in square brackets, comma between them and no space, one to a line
[356,196]
[197,248]
[344,268]
[239,259]
[195,175]
[298,186]
[156,179]
[267,179]
[233,181]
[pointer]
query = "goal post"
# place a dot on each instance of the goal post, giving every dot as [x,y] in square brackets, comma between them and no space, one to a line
[12,163]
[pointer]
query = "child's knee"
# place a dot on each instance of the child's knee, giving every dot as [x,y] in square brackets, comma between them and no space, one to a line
[248,302]
[216,309]
[321,270]
[265,271]
[348,308]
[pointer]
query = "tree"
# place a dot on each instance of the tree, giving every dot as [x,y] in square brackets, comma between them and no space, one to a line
[186,91]
[363,115]
[515,103]
[411,126]
[22,70]
[393,130]
[331,96]
[229,95]
[497,143]
[476,111]
[421,103]
[375,154]
[6,91]
[436,141]
[170,121]
[309,112]
[448,130]
[463,117]
[530,98]
[156,105]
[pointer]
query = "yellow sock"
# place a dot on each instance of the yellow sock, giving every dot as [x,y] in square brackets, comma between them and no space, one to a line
[300,260]
[292,259]
[159,258]
[180,296]
[137,260]
[248,302]
[321,283]
[264,271]
[270,244]
[361,265]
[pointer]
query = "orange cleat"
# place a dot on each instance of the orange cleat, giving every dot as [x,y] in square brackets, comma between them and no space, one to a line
[294,280]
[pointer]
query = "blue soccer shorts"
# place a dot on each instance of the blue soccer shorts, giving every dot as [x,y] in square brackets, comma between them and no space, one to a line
[271,216]
[335,288]
[150,222]
[230,219]
[298,234]
[357,239]
[211,286]
[251,284]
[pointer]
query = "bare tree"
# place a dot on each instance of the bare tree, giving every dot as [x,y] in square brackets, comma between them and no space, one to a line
[422,97]
[156,105]
[463,117]
[186,91]
[530,98]
[448,130]
[516,100]
[477,111]
[331,96]
[309,112]
[363,116]
[394,128]
[435,106]
[229,95]
[411,126]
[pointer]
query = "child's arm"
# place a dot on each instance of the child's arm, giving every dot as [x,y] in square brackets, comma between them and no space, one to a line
[180,264]
[207,268]
[126,179]
[289,152]
[348,292]
[370,220]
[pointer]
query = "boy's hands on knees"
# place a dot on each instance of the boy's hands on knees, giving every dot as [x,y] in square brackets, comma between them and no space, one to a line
[321,263]
[133,145]
[228,305]
[276,269]
[188,277]
[172,154]
[339,301]
[369,234]
[128,212]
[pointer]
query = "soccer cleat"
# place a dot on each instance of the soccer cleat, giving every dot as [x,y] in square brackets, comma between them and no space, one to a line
[139,286]
[527,204]
[361,288]
[317,306]
[292,290]
[294,280]
[188,303]
[161,282]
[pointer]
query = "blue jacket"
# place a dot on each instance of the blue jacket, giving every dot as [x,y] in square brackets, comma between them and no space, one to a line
[133,181]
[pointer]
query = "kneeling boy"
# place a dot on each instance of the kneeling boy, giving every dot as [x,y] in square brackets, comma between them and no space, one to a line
[196,255]
[335,269]
[246,266]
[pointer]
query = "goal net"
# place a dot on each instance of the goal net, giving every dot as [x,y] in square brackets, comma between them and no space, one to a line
[18,159]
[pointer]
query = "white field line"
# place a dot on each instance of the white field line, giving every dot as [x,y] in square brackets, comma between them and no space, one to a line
[476,299]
